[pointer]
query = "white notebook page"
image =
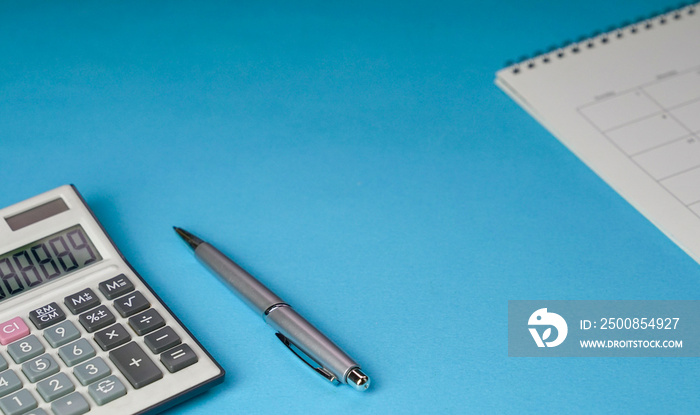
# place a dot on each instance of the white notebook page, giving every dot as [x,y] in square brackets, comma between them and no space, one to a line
[628,104]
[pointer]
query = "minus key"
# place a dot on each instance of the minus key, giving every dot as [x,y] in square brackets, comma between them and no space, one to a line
[162,340]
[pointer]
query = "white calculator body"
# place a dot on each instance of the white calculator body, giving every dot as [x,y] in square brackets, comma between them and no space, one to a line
[80,330]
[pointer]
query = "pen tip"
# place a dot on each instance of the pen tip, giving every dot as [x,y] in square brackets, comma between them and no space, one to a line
[191,240]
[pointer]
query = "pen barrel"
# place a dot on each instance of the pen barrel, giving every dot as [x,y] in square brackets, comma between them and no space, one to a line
[311,341]
[250,290]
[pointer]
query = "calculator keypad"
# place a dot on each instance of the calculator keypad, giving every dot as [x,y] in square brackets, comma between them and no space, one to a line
[70,370]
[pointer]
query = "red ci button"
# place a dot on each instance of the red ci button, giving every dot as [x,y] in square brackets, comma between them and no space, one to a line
[12,330]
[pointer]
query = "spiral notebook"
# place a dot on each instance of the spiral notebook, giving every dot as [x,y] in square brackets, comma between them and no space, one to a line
[627,103]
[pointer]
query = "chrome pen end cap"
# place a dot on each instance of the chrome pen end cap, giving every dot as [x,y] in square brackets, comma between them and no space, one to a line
[358,380]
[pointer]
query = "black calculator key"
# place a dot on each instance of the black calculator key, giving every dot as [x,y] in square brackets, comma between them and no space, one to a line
[47,315]
[135,365]
[116,287]
[97,319]
[112,337]
[131,304]
[178,358]
[162,340]
[81,301]
[146,322]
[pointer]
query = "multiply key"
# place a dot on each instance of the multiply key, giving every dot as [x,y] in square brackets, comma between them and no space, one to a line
[135,365]
[112,337]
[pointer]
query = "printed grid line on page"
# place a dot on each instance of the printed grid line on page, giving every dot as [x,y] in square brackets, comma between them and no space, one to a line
[657,125]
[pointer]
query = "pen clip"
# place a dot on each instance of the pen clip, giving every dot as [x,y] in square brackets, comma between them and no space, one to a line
[298,353]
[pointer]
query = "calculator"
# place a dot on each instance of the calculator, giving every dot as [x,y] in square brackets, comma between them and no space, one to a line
[80,330]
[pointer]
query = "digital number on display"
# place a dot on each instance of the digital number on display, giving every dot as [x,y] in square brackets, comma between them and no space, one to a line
[45,260]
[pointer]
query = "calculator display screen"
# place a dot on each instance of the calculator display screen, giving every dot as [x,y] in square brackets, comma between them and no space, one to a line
[45,260]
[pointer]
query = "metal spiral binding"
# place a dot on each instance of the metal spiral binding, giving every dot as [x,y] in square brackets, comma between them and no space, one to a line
[600,39]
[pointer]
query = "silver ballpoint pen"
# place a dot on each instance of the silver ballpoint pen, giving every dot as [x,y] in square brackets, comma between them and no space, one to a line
[292,329]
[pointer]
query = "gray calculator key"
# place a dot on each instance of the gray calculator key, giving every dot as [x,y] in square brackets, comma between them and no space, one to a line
[25,349]
[37,411]
[146,322]
[18,403]
[61,334]
[81,301]
[97,319]
[178,358]
[91,371]
[73,404]
[54,387]
[131,304]
[111,337]
[107,390]
[40,368]
[116,287]
[3,364]
[162,340]
[9,382]
[76,352]
[135,365]
[47,315]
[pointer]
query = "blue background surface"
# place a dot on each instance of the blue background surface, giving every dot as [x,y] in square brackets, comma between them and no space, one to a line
[358,159]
